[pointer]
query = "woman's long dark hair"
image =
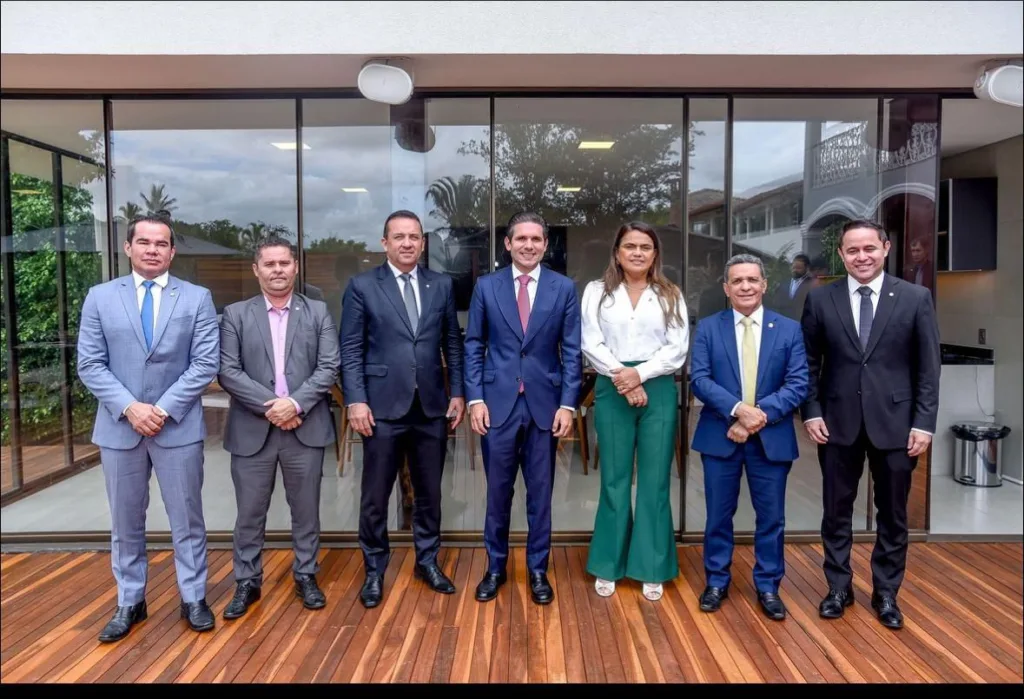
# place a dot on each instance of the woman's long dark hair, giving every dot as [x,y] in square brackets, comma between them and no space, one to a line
[668,293]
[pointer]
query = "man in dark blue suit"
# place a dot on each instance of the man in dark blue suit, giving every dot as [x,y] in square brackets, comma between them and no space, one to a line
[749,369]
[396,321]
[523,375]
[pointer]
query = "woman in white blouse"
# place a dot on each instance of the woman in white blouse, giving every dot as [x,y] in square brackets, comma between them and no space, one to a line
[635,335]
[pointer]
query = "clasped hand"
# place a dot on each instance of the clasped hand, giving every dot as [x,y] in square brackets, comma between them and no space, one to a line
[749,420]
[282,412]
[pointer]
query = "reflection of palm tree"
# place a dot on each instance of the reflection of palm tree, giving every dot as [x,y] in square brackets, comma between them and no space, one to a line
[130,210]
[460,204]
[157,200]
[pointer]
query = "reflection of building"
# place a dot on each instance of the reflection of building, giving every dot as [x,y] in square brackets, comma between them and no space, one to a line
[726,157]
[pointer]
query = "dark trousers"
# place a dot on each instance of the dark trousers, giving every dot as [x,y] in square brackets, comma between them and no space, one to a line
[767,482]
[424,441]
[891,471]
[519,442]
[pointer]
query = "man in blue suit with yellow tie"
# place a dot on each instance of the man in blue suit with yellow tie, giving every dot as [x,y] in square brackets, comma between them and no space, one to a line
[749,369]
[523,375]
[148,347]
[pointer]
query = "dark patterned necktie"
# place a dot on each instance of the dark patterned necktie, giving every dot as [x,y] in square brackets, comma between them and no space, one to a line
[867,312]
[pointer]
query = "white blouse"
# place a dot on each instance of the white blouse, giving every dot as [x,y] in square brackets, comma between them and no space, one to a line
[617,333]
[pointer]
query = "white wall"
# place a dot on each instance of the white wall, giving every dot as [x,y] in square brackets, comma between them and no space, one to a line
[752,28]
[993,300]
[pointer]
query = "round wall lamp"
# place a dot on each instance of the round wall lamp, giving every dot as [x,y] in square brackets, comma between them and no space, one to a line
[387,80]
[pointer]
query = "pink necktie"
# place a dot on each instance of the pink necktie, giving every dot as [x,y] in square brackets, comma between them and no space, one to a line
[524,308]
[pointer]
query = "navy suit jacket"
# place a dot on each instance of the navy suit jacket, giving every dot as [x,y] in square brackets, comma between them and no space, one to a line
[782,383]
[546,357]
[383,362]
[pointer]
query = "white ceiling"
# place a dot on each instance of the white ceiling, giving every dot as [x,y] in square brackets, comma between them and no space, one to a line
[971,123]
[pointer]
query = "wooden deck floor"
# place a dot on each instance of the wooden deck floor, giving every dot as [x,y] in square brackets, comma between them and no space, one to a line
[962,602]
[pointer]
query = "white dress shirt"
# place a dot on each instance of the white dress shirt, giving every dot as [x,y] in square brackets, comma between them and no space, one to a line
[413,279]
[876,292]
[156,291]
[614,332]
[755,327]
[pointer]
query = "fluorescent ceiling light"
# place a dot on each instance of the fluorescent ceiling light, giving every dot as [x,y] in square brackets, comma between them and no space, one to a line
[596,145]
[288,146]
[567,189]
[25,191]
[354,190]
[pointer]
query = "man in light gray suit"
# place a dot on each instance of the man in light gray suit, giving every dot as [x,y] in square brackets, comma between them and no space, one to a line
[148,347]
[279,359]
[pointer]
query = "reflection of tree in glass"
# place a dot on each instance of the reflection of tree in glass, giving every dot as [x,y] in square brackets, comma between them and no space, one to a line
[638,177]
[462,203]
[157,200]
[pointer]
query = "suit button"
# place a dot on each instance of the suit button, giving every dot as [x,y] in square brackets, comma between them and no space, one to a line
[522,354]
[518,379]
[148,362]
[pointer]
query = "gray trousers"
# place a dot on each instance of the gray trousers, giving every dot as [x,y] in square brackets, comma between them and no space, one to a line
[179,471]
[254,477]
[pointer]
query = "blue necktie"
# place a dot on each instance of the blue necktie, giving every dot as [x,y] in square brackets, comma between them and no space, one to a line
[147,313]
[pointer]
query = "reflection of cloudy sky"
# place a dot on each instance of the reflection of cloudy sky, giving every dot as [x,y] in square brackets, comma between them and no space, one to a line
[239,176]
[763,152]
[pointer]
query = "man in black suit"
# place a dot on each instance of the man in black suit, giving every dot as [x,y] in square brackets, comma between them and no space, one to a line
[789,296]
[873,354]
[396,321]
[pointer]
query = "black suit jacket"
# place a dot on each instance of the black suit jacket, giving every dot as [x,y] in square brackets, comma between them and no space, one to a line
[893,385]
[383,362]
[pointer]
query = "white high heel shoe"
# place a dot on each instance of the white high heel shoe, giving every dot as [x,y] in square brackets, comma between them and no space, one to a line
[653,591]
[605,588]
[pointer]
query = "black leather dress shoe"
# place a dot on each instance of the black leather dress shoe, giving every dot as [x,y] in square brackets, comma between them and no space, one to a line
[540,588]
[835,603]
[435,578]
[373,590]
[246,595]
[198,614]
[771,605]
[888,611]
[711,598]
[488,587]
[311,594]
[122,622]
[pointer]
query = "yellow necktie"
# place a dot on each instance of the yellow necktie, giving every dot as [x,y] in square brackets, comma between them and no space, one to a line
[749,363]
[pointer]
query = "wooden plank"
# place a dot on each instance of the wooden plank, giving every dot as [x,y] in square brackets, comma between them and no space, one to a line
[962,624]
[457,565]
[575,671]
[554,651]
[466,623]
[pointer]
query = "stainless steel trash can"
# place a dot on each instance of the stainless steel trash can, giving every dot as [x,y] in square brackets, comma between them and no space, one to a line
[977,453]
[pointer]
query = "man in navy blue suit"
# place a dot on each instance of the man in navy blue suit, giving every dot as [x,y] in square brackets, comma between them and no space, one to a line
[523,375]
[749,369]
[396,322]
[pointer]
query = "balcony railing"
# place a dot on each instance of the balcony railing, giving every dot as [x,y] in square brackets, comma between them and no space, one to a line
[847,156]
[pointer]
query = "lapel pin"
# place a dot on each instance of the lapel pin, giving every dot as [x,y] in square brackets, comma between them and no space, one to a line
[428,286]
[891,294]
[771,325]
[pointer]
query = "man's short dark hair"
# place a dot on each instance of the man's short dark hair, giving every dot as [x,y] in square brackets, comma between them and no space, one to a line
[402,213]
[275,242]
[526,217]
[863,223]
[162,216]
[800,257]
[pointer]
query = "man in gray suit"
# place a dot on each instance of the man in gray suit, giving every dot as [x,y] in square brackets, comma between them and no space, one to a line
[148,348]
[279,359]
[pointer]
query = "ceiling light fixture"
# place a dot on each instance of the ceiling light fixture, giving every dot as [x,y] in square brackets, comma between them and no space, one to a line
[288,145]
[596,145]
[562,188]
[355,190]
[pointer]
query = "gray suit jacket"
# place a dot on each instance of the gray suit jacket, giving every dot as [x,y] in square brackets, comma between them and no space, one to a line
[115,366]
[312,361]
